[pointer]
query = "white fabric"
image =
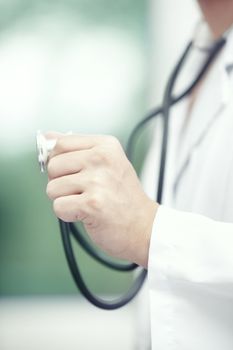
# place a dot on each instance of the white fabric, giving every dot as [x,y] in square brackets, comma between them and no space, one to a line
[190,272]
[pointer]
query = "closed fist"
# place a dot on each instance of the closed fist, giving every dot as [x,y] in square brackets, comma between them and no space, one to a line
[92,181]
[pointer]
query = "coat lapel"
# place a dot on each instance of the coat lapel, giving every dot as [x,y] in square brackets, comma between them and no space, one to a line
[211,101]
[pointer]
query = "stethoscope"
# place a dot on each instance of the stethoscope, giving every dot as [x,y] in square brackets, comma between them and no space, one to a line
[67,229]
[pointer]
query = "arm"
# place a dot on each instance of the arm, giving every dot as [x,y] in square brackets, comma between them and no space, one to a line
[192,249]
[91,180]
[190,274]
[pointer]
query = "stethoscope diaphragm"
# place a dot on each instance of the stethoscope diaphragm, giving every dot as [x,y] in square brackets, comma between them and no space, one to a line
[44,147]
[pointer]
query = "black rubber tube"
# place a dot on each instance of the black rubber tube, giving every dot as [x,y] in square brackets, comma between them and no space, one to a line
[159,110]
[66,228]
[103,304]
[95,254]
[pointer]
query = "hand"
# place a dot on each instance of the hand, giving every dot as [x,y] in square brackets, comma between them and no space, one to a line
[92,181]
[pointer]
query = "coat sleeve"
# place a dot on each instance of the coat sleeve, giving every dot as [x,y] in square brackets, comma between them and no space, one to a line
[190,273]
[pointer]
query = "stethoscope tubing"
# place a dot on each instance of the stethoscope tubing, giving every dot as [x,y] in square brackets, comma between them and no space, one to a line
[175,99]
[68,229]
[77,276]
[96,254]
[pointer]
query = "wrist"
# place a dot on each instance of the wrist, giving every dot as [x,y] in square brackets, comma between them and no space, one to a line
[140,253]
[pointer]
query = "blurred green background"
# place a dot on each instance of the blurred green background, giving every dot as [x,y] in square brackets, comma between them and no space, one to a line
[77,65]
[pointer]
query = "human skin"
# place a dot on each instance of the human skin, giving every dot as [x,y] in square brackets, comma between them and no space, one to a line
[92,181]
[218,14]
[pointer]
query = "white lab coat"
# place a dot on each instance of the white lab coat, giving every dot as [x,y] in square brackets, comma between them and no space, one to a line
[190,271]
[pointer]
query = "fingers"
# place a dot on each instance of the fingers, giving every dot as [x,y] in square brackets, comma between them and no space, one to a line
[66,186]
[78,183]
[78,160]
[70,143]
[70,208]
[80,168]
[66,164]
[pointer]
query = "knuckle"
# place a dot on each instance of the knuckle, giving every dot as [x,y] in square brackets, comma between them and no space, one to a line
[59,209]
[61,145]
[98,157]
[50,190]
[68,210]
[113,148]
[51,168]
[96,181]
[80,215]
[95,202]
[112,140]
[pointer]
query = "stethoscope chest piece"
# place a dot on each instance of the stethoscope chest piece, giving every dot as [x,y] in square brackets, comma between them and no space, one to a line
[44,147]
